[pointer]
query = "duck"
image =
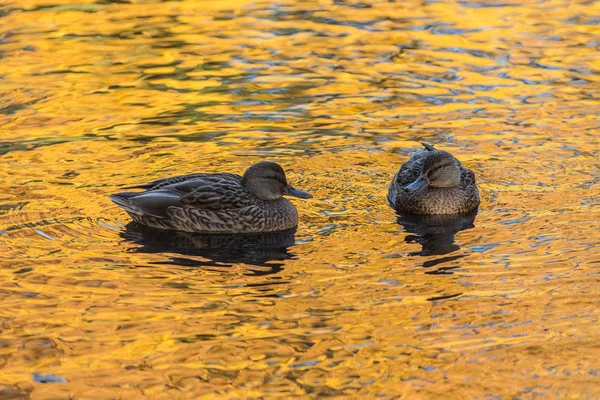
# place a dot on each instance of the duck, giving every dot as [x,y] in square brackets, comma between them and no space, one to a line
[216,203]
[433,182]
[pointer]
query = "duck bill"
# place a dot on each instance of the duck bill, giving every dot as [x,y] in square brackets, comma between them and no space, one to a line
[420,183]
[298,193]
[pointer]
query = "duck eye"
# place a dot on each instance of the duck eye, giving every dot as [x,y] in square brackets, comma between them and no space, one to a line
[436,168]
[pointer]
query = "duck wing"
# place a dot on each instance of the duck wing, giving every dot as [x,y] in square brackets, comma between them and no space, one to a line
[159,183]
[215,192]
[204,191]
[410,170]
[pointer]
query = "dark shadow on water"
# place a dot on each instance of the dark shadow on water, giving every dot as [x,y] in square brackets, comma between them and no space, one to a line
[268,249]
[435,234]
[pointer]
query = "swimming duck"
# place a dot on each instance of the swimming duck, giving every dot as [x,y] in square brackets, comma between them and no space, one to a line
[216,203]
[433,182]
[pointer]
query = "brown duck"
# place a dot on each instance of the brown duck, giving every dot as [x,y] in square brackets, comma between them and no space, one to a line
[433,182]
[216,203]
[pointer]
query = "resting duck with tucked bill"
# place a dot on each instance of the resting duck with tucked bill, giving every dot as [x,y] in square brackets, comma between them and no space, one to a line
[433,182]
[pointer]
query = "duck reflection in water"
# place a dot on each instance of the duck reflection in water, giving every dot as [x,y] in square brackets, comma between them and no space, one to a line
[435,233]
[267,249]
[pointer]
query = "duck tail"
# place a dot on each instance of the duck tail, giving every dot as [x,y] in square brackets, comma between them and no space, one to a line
[154,203]
[123,201]
[428,146]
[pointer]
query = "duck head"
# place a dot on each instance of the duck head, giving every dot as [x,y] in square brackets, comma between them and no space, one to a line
[266,181]
[440,169]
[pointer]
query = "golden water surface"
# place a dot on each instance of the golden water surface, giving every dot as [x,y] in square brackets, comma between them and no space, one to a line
[96,95]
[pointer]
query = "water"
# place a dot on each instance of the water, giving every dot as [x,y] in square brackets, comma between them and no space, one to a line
[98,95]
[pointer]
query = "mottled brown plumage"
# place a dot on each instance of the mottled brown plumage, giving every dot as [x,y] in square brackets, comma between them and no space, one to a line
[433,182]
[216,203]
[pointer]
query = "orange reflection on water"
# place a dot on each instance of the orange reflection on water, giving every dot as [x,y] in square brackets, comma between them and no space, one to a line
[100,95]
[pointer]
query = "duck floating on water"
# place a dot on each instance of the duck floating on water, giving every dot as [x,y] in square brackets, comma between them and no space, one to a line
[216,203]
[433,182]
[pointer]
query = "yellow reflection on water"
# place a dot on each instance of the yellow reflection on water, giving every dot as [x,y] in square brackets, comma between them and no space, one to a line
[100,95]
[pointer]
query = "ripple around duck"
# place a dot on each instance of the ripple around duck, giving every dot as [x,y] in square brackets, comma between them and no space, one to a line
[358,302]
